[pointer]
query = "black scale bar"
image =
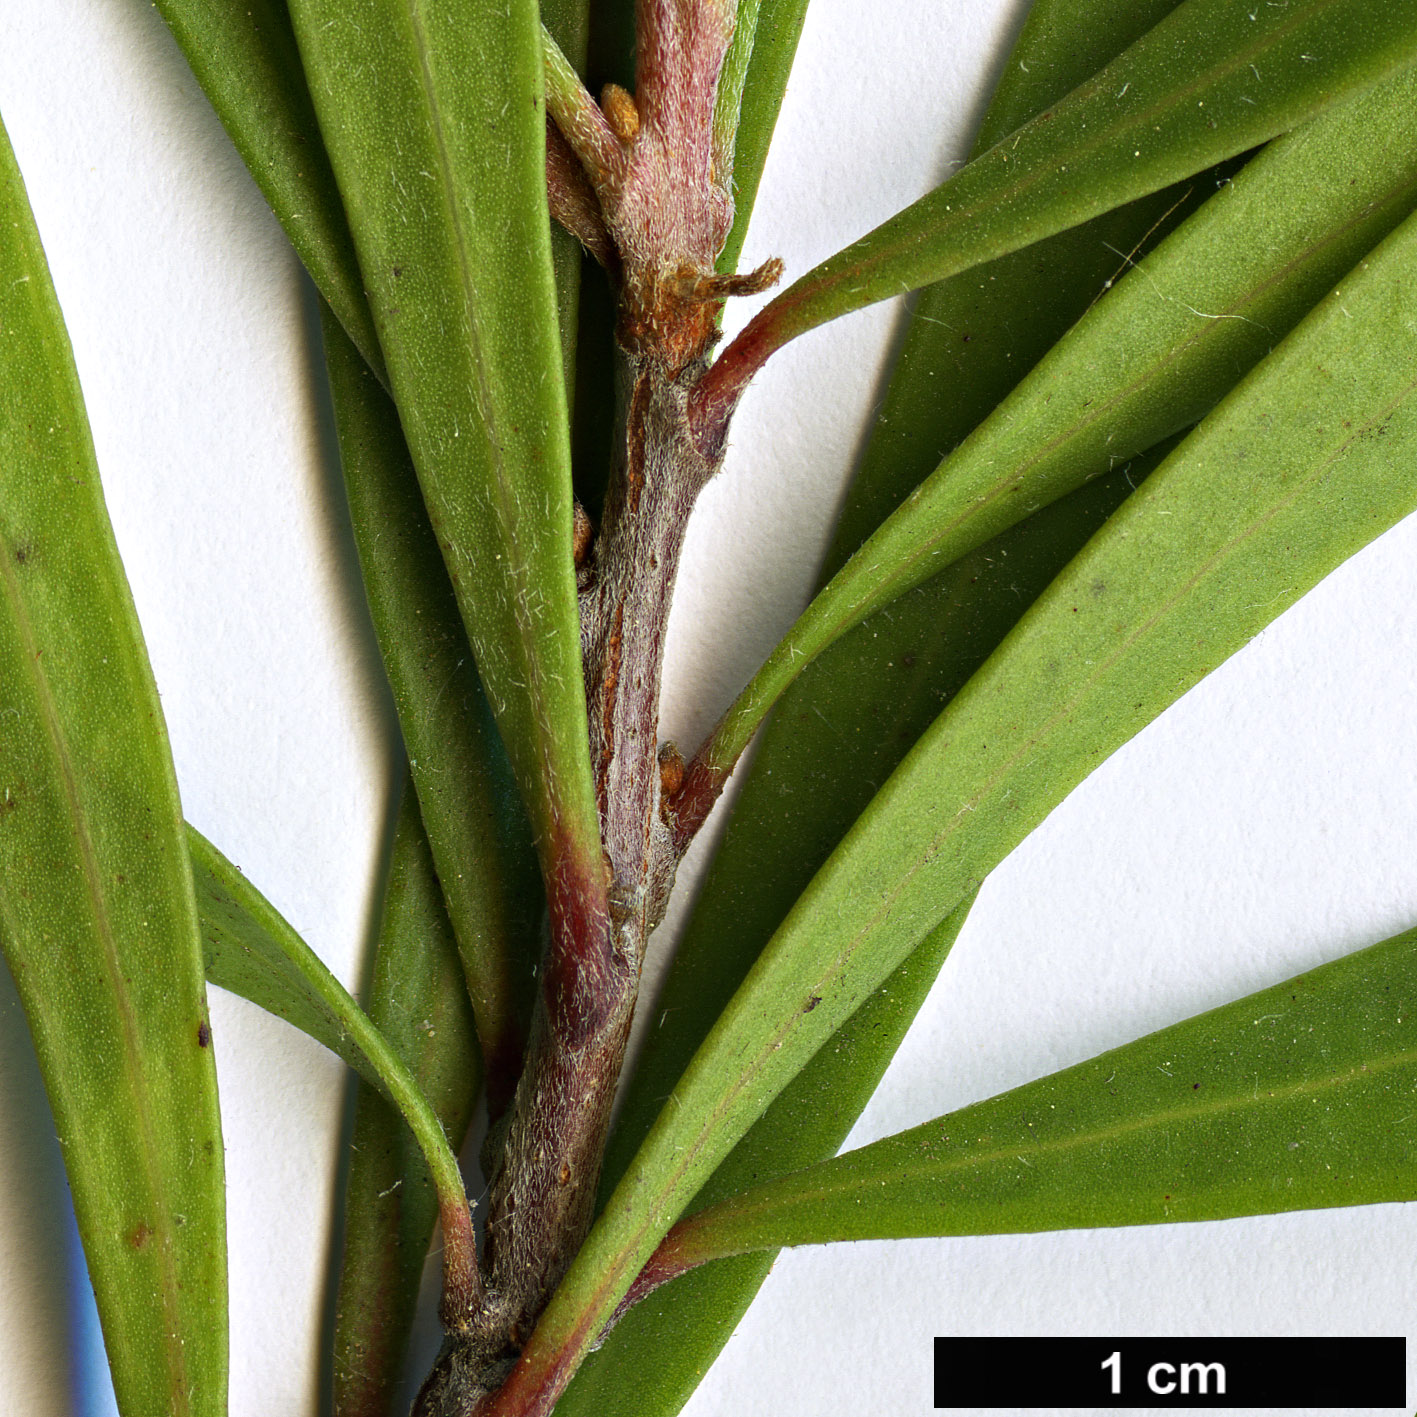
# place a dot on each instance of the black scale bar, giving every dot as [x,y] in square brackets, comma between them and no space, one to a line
[1097,1373]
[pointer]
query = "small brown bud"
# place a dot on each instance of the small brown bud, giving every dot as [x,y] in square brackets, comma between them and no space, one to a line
[582,534]
[671,770]
[620,112]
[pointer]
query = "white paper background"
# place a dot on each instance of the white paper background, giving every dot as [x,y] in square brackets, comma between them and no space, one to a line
[1266,824]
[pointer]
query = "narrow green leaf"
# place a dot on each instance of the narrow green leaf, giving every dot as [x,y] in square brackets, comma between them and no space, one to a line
[418,1003]
[765,66]
[245,58]
[971,339]
[568,22]
[440,163]
[476,826]
[1213,79]
[97,918]
[728,101]
[1150,357]
[252,951]
[809,1121]
[841,731]
[1303,464]
[1294,1098]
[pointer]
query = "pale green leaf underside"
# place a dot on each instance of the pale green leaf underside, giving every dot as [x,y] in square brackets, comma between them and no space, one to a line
[475,824]
[1303,464]
[1297,1097]
[97,919]
[1150,357]
[440,165]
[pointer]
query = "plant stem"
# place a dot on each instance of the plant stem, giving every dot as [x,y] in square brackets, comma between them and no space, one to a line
[648,162]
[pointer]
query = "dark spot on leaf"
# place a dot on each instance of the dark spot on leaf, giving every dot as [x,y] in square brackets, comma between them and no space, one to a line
[811,1003]
[204,1034]
[1194,1086]
[908,661]
[139,1236]
[22,553]
[398,271]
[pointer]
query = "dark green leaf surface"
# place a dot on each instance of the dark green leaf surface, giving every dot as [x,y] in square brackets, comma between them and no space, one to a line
[1297,1097]
[1211,80]
[246,60]
[97,918]
[418,1003]
[440,163]
[1150,357]
[1303,464]
[475,823]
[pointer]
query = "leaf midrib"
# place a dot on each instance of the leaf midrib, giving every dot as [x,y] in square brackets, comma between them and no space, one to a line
[906,1170]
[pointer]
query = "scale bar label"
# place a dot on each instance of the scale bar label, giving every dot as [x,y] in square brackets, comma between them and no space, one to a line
[974,1373]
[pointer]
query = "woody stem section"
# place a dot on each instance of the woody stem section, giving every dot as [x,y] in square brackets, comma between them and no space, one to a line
[642,180]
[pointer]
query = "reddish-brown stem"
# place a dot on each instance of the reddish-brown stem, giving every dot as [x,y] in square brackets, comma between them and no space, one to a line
[689,807]
[723,386]
[648,191]
[573,201]
[462,1280]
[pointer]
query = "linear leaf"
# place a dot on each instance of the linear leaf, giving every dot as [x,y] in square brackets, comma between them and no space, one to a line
[1302,465]
[245,58]
[1296,1097]
[252,951]
[568,23]
[971,338]
[843,728]
[417,1001]
[441,167]
[841,731]
[777,27]
[97,918]
[809,1121]
[1211,80]
[476,826]
[1150,357]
